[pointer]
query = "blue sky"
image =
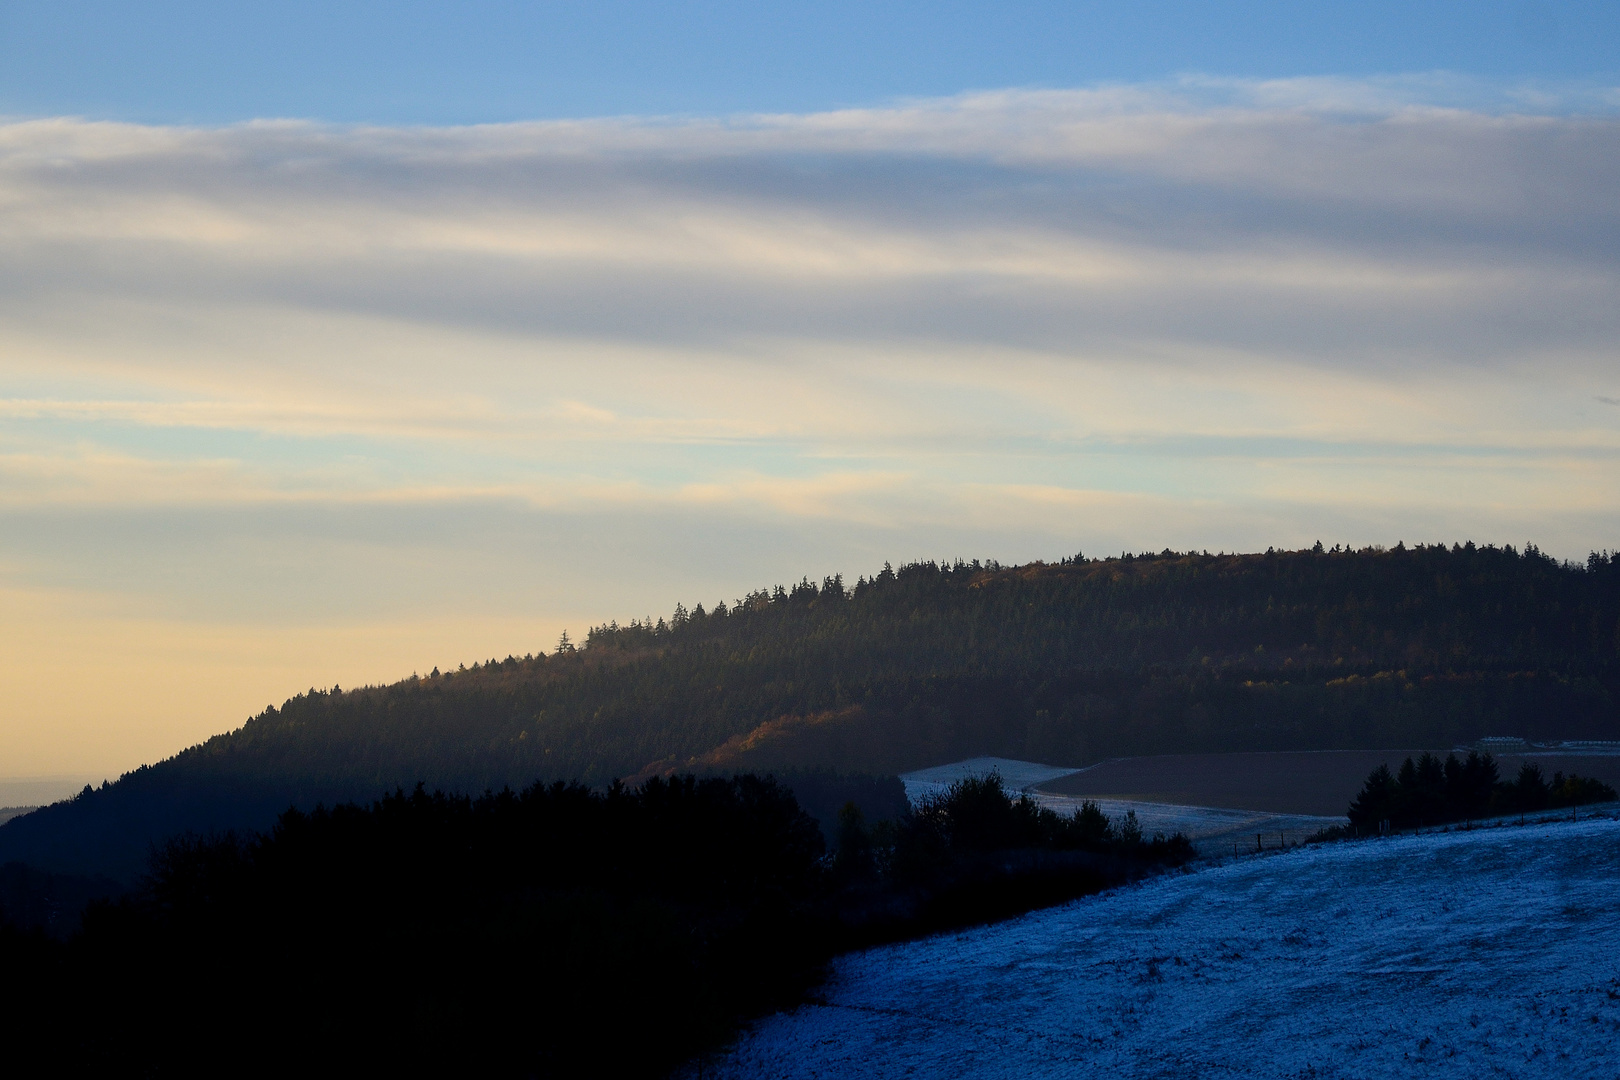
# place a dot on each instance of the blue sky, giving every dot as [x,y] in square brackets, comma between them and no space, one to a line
[341,341]
[476,62]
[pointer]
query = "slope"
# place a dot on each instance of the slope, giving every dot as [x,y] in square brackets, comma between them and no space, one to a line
[1461,954]
[1066,663]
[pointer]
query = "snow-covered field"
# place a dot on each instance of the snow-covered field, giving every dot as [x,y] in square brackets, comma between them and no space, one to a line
[1212,830]
[1016,775]
[1494,952]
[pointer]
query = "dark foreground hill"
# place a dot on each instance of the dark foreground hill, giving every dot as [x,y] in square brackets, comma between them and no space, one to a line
[1066,663]
[557,932]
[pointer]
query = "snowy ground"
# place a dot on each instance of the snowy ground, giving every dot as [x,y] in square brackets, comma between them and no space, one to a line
[1494,952]
[1016,775]
[1213,830]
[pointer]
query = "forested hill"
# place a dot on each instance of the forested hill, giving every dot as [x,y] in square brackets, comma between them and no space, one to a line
[1067,663]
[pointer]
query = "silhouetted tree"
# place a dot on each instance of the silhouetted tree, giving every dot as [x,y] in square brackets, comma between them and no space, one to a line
[1429,792]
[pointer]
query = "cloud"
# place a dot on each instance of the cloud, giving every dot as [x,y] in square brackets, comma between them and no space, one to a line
[1002,317]
[1271,224]
[284,397]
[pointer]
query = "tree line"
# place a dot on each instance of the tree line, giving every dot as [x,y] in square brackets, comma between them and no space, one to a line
[1428,791]
[1066,662]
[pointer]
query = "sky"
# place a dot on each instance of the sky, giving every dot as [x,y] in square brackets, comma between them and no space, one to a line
[342,341]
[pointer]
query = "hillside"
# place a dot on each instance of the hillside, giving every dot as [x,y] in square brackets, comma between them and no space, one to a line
[1463,954]
[1068,663]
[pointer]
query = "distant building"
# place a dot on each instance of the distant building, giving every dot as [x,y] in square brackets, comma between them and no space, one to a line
[1501,744]
[1587,746]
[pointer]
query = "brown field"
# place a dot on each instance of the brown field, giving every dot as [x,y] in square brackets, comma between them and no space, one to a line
[1279,783]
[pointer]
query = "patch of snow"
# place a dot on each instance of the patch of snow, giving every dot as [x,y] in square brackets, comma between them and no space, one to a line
[1212,829]
[1494,951]
[1016,775]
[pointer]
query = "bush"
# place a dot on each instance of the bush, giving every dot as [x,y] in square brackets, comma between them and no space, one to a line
[973,853]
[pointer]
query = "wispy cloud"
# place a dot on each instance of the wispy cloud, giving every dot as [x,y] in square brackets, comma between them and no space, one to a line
[1027,316]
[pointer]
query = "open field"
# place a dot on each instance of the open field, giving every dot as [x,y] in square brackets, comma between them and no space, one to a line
[1214,830]
[1016,775]
[1454,954]
[1281,783]
[1315,783]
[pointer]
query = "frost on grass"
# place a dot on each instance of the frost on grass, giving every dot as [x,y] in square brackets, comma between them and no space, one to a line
[1494,952]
